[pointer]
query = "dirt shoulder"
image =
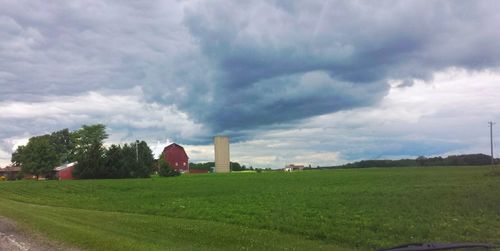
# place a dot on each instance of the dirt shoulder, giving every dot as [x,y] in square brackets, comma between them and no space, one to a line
[12,238]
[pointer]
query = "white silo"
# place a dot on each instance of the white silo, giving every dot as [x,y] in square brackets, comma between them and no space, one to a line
[221,148]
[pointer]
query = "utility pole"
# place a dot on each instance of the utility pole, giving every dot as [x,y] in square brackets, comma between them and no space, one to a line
[136,151]
[491,142]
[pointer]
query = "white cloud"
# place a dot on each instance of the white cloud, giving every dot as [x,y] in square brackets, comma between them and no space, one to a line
[126,110]
[127,115]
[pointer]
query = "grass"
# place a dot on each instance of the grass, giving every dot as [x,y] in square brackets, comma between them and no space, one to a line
[355,209]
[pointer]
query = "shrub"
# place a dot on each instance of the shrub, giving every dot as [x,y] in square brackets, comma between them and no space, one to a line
[166,170]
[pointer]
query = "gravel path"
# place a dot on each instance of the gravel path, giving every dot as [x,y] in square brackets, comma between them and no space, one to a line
[14,239]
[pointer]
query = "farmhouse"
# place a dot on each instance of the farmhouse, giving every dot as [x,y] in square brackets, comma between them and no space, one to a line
[10,172]
[65,172]
[176,157]
[292,167]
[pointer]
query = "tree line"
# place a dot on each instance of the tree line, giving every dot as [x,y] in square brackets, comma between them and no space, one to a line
[85,146]
[452,160]
[234,166]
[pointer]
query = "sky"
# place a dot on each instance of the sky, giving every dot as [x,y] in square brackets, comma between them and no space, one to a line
[305,82]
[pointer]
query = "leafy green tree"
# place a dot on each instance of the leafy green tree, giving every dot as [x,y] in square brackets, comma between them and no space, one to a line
[421,160]
[17,156]
[61,142]
[85,146]
[114,163]
[89,151]
[38,157]
[202,166]
[64,144]
[235,166]
[133,160]
[144,159]
[130,163]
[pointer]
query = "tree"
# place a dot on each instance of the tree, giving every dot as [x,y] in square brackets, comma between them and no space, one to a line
[89,151]
[421,160]
[64,144]
[86,147]
[133,160]
[145,160]
[61,145]
[235,166]
[138,159]
[114,163]
[202,166]
[38,157]
[17,156]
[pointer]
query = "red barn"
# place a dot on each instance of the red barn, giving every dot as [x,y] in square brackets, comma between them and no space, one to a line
[177,158]
[65,172]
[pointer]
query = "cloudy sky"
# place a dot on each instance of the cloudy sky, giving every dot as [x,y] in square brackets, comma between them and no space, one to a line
[306,82]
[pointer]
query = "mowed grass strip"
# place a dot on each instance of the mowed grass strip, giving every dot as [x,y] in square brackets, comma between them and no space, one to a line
[100,230]
[358,208]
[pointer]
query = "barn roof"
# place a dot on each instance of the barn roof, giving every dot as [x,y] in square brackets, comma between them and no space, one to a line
[174,145]
[60,168]
[11,169]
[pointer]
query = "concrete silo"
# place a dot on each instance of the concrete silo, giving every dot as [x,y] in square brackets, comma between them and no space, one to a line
[221,147]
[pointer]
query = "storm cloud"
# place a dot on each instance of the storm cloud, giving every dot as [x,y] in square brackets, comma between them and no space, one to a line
[232,67]
[262,50]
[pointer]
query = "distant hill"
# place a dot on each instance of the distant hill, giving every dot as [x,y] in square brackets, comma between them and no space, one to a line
[452,160]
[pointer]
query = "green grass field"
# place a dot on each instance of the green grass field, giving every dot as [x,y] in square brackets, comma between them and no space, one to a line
[359,209]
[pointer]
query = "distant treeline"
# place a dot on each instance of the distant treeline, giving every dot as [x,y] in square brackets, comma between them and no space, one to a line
[235,166]
[452,160]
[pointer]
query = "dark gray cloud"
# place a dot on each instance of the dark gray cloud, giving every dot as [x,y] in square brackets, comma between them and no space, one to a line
[261,50]
[234,66]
